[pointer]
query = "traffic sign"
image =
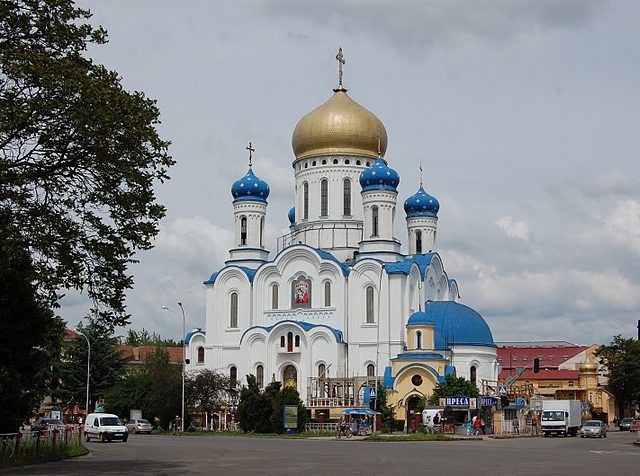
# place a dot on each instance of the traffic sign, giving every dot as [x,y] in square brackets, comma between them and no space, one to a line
[502,390]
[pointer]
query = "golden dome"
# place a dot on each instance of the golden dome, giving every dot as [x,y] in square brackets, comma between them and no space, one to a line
[589,366]
[340,126]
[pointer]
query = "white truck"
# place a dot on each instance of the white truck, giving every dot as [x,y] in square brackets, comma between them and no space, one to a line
[561,417]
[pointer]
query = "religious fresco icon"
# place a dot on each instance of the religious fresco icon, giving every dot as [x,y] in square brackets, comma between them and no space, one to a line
[301,293]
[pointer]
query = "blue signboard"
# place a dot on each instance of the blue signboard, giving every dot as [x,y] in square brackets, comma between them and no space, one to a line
[490,401]
[369,394]
[457,401]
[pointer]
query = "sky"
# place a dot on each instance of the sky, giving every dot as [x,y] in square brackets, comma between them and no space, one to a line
[524,114]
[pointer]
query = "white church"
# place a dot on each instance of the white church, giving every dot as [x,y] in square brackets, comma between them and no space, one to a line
[342,300]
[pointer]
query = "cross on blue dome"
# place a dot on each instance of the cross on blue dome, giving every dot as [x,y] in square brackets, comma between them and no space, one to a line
[421,205]
[379,177]
[250,188]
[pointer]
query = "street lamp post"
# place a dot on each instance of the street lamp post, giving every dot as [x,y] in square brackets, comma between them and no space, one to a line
[184,353]
[88,369]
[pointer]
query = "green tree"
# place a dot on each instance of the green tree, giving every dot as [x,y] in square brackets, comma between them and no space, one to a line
[453,386]
[80,156]
[138,338]
[288,395]
[129,393]
[622,360]
[106,365]
[31,334]
[164,393]
[206,390]
[386,411]
[249,407]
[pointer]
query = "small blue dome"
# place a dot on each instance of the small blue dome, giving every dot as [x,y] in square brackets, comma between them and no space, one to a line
[421,205]
[457,324]
[379,177]
[292,215]
[419,317]
[250,188]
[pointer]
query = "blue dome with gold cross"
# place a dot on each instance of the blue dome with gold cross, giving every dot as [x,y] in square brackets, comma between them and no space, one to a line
[379,177]
[250,188]
[421,204]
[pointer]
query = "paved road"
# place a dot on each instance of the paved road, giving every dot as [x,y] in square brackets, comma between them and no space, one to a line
[151,454]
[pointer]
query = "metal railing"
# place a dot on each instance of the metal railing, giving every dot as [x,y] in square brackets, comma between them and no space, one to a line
[14,446]
[320,427]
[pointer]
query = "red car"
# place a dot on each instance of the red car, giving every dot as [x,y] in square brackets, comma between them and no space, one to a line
[635,425]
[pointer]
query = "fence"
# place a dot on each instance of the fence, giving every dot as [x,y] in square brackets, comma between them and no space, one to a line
[320,427]
[30,445]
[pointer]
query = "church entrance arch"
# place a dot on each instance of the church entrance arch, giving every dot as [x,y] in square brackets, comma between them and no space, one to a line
[290,376]
[412,404]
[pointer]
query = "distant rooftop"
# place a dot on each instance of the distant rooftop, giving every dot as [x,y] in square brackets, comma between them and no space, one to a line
[536,343]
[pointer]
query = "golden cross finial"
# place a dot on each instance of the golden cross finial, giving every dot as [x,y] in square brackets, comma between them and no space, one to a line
[341,61]
[420,173]
[251,151]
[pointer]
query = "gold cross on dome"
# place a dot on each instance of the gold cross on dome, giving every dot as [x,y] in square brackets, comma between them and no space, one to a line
[251,151]
[420,173]
[341,61]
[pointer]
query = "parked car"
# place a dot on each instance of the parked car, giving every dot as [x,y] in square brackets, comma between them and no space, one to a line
[137,425]
[105,427]
[625,424]
[46,424]
[593,428]
[635,425]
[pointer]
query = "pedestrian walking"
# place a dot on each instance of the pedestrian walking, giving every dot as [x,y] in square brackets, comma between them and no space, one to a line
[477,425]
[534,425]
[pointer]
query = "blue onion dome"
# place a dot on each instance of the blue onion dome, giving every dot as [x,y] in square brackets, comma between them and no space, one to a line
[250,188]
[379,177]
[421,205]
[292,215]
[457,324]
[419,317]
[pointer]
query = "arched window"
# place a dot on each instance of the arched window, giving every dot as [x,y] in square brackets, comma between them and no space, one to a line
[297,340]
[418,339]
[472,374]
[418,242]
[201,355]
[274,296]
[346,197]
[374,221]
[305,200]
[260,376]
[233,377]
[371,370]
[324,197]
[327,294]
[321,370]
[290,342]
[243,230]
[262,232]
[233,312]
[282,343]
[369,306]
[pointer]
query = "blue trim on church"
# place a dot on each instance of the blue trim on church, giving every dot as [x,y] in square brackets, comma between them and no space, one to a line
[404,267]
[250,272]
[306,326]
[190,334]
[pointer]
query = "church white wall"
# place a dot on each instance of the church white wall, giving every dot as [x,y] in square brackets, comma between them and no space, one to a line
[484,358]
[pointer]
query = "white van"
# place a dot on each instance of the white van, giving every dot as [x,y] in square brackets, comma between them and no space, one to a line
[105,427]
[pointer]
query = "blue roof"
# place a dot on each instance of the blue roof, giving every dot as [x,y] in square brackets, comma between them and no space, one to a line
[388,377]
[419,317]
[250,188]
[419,356]
[457,324]
[190,334]
[379,177]
[292,215]
[421,204]
[250,272]
[306,326]
[404,267]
